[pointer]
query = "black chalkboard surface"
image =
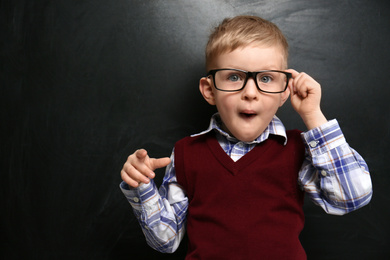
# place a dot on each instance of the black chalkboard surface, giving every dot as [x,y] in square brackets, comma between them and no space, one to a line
[85,83]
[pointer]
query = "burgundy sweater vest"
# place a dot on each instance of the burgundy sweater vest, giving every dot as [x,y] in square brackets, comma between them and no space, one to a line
[248,209]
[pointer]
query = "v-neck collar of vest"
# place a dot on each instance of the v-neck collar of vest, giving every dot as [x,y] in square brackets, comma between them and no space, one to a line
[235,167]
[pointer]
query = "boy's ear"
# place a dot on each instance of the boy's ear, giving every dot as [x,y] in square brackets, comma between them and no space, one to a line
[285,95]
[206,88]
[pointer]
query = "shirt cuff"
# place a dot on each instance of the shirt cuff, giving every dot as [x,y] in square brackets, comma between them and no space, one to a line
[323,138]
[135,196]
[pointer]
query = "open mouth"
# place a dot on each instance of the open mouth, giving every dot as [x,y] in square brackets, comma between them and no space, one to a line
[247,114]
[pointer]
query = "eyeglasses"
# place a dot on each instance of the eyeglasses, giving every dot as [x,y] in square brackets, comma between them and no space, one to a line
[268,81]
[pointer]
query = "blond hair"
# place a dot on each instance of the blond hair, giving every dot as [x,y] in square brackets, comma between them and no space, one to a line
[242,31]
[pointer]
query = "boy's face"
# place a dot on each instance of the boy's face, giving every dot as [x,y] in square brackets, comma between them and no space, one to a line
[245,114]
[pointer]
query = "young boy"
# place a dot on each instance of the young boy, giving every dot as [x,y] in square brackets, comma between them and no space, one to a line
[234,187]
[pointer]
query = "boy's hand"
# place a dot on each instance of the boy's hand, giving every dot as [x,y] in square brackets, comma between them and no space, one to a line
[139,168]
[306,98]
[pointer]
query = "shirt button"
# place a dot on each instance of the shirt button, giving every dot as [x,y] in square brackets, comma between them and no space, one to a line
[324,173]
[313,144]
[135,199]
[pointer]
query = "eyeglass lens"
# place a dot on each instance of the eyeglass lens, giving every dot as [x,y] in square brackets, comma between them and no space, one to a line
[269,81]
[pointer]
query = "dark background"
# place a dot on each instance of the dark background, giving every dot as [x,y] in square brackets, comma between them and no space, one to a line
[84,83]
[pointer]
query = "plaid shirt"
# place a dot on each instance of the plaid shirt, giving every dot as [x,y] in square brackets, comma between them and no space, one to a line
[334,176]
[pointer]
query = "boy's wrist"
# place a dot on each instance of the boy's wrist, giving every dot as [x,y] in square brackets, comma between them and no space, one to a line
[314,119]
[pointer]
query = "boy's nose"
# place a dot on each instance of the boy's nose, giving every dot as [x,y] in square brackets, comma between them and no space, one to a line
[250,90]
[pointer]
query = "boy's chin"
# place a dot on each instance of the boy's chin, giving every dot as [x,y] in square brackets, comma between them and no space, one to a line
[244,136]
[250,135]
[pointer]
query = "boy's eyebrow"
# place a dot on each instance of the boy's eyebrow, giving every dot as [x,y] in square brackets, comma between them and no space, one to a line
[265,68]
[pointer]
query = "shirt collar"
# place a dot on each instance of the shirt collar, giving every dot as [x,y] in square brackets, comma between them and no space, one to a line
[275,127]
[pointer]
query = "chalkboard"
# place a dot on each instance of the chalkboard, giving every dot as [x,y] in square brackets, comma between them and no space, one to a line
[85,83]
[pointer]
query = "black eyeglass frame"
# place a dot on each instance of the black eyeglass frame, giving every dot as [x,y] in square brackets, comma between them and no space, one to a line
[251,74]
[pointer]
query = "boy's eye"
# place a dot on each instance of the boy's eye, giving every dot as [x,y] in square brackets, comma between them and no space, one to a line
[234,77]
[265,79]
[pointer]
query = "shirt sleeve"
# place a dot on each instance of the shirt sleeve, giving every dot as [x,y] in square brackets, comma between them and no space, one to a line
[160,213]
[333,174]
